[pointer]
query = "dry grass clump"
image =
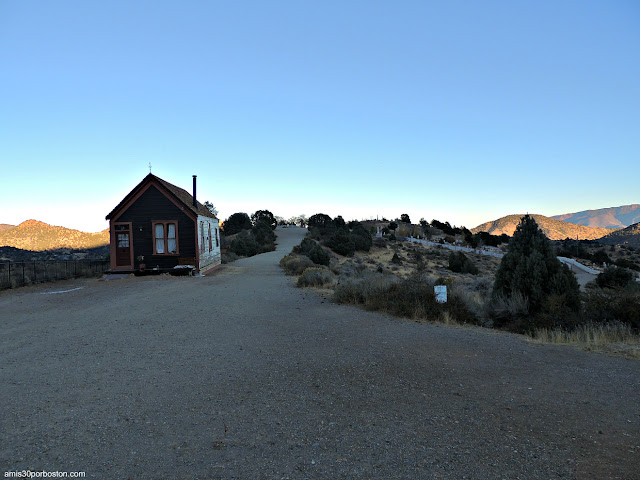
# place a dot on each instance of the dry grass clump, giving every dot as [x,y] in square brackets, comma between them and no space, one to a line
[294,264]
[316,277]
[616,337]
[362,288]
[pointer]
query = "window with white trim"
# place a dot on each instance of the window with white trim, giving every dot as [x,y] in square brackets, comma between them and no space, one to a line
[165,238]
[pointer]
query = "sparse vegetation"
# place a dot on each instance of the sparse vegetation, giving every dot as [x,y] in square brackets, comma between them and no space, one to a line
[294,264]
[398,278]
[316,277]
[460,263]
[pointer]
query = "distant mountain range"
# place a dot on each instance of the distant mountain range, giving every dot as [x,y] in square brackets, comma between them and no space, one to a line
[5,226]
[39,236]
[629,236]
[553,229]
[614,217]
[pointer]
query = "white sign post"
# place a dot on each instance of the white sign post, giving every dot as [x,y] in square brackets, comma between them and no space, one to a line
[441,293]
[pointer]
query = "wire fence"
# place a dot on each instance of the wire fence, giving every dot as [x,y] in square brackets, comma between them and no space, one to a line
[19,274]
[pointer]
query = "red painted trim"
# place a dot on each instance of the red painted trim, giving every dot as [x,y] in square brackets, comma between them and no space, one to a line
[162,190]
[166,232]
[113,244]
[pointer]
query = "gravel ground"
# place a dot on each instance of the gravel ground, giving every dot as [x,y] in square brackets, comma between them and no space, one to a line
[242,375]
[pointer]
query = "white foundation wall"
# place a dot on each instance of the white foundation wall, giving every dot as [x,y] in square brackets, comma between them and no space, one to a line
[209,258]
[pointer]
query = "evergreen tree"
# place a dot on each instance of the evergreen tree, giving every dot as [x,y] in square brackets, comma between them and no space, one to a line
[236,223]
[264,216]
[531,269]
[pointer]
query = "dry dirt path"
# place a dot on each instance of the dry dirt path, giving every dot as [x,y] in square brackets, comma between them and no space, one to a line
[241,375]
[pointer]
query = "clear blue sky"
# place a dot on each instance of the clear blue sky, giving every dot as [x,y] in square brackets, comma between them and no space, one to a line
[462,111]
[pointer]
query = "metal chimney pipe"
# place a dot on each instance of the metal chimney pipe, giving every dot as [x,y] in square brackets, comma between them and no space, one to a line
[195,202]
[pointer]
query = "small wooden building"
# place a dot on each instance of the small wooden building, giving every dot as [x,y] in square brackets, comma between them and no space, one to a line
[159,225]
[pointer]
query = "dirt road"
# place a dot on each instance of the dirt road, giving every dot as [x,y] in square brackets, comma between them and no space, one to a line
[241,375]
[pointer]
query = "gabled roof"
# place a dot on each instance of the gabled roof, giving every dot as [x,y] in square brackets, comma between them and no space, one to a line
[179,194]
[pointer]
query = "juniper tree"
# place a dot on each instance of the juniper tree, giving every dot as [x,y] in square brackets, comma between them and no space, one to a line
[531,269]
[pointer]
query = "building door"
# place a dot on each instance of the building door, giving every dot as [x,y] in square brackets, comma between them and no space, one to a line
[123,246]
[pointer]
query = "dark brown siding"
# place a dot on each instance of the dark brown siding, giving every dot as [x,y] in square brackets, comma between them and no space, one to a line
[154,206]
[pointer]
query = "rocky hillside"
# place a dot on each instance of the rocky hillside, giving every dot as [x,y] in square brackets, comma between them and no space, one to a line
[553,229]
[629,236]
[38,236]
[614,217]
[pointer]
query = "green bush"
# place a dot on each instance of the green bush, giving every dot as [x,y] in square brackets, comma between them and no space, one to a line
[603,306]
[316,277]
[314,251]
[361,237]
[460,263]
[295,264]
[342,243]
[244,244]
[614,277]
[263,233]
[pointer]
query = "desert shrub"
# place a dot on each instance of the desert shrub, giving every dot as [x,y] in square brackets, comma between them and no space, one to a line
[404,218]
[460,263]
[530,269]
[362,240]
[295,264]
[510,313]
[396,260]
[380,242]
[606,305]
[229,257]
[624,263]
[342,243]
[601,257]
[263,233]
[244,244]
[410,298]
[314,251]
[392,237]
[316,277]
[614,277]
[361,289]
[467,302]
[556,312]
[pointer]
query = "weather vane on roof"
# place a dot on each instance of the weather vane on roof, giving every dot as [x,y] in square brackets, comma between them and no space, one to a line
[149,167]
